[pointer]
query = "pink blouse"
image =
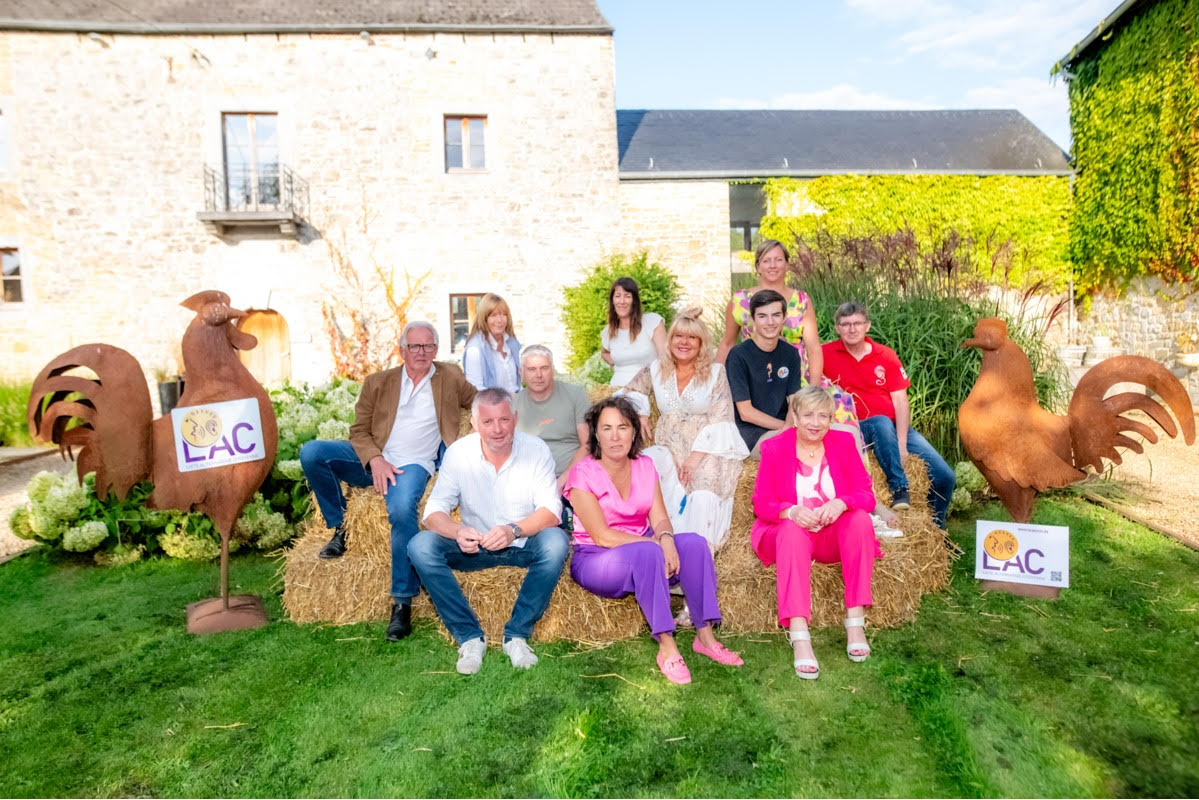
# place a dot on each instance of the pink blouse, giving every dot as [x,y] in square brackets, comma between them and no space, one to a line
[629,515]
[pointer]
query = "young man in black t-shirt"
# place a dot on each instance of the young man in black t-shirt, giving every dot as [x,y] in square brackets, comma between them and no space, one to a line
[763,371]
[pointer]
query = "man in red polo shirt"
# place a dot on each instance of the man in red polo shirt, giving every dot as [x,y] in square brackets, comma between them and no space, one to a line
[873,374]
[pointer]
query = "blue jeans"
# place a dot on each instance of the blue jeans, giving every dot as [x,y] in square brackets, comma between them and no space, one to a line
[326,464]
[435,557]
[880,435]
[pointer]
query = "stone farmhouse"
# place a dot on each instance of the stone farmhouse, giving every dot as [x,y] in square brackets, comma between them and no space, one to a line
[153,148]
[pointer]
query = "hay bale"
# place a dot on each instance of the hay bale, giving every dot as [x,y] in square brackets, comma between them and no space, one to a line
[354,588]
[912,566]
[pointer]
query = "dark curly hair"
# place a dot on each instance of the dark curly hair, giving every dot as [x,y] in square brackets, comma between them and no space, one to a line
[626,410]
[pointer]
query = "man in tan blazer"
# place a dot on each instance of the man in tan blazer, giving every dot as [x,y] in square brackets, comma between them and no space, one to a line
[404,419]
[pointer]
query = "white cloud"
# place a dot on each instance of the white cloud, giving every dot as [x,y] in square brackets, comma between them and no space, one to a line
[843,96]
[990,34]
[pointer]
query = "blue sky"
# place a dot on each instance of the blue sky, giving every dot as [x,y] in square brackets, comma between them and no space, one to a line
[849,54]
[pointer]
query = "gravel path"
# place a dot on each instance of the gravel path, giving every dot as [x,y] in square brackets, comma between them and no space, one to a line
[15,472]
[1163,486]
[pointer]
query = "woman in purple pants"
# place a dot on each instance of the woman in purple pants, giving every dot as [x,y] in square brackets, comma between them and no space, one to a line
[623,542]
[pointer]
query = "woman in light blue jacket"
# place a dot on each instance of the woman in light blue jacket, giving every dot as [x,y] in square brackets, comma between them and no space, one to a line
[491,358]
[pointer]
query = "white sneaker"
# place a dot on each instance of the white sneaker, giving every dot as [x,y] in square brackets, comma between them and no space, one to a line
[470,656]
[884,531]
[521,655]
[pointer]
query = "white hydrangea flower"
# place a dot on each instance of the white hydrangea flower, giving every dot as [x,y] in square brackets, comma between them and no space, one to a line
[189,548]
[291,469]
[87,536]
[65,499]
[334,429]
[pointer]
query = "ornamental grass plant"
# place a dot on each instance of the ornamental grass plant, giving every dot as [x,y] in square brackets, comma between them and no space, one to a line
[925,297]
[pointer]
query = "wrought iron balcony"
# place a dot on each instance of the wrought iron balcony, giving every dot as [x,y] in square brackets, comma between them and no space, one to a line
[269,195]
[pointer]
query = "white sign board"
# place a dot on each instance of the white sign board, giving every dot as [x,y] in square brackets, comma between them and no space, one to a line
[1022,553]
[217,434]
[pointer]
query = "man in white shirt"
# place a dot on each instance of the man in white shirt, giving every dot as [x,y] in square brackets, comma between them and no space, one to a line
[403,418]
[504,485]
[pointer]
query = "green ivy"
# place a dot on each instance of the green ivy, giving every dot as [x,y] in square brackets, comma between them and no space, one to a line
[585,310]
[1134,103]
[1032,212]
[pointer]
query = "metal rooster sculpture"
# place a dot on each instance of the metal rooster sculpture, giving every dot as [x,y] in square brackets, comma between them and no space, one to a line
[1022,449]
[121,443]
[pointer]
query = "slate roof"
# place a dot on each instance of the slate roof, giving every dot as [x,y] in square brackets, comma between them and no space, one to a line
[757,144]
[238,16]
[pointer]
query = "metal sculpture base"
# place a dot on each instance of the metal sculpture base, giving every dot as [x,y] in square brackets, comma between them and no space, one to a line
[211,616]
[1021,589]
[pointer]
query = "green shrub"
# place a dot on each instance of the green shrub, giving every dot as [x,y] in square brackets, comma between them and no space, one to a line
[923,303]
[595,371]
[14,430]
[585,307]
[970,487]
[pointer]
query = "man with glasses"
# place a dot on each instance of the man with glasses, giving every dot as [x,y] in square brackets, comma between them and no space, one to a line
[404,419]
[873,374]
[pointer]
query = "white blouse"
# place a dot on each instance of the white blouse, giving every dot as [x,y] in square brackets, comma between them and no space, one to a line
[720,436]
[628,357]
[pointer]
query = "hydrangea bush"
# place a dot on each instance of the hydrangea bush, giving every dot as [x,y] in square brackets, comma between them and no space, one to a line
[66,515]
[63,514]
[971,486]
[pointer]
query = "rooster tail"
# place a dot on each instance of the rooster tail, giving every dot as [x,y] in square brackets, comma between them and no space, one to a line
[1097,426]
[111,414]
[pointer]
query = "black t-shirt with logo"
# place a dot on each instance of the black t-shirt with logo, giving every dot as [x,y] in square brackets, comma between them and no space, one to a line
[766,379]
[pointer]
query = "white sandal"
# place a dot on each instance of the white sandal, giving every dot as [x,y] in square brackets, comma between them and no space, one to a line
[801,636]
[859,657]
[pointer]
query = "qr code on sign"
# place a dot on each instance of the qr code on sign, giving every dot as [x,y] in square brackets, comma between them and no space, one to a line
[1055,576]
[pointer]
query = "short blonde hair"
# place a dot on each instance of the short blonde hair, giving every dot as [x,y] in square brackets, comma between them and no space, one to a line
[811,398]
[688,323]
[489,304]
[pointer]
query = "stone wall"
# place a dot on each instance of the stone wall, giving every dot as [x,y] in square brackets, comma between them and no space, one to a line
[1147,320]
[684,226]
[108,139]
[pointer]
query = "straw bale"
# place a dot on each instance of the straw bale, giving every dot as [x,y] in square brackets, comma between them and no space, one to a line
[912,566]
[354,588]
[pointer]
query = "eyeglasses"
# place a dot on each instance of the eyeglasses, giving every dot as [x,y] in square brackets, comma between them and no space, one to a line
[852,324]
[422,348]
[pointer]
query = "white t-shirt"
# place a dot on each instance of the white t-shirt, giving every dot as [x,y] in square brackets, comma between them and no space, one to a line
[628,357]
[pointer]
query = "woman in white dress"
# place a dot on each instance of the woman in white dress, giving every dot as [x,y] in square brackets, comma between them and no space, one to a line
[697,449]
[491,358]
[631,339]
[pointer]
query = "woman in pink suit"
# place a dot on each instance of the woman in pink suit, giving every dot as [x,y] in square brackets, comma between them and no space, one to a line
[812,500]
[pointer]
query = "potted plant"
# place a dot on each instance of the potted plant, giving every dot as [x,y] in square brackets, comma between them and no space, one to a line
[1188,346]
[170,387]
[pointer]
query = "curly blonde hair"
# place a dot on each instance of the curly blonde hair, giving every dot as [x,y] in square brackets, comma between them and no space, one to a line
[688,323]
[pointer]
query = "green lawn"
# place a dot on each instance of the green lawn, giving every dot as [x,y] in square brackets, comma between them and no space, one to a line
[103,693]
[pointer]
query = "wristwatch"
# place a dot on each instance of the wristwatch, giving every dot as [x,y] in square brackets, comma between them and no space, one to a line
[516,531]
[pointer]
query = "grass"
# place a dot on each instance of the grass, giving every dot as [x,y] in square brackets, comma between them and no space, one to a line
[103,693]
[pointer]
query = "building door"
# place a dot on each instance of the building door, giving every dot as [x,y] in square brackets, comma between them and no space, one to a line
[270,361]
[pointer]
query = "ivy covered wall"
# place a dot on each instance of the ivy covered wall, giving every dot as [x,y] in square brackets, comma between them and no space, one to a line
[1031,211]
[1134,114]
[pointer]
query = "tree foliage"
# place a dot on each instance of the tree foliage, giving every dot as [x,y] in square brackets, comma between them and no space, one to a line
[1030,212]
[585,310]
[1134,106]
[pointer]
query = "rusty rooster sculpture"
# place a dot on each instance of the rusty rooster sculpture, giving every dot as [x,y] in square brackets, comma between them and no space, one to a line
[121,443]
[1022,449]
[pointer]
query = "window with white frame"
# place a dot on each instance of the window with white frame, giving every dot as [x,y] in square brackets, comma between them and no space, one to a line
[464,143]
[462,316]
[251,145]
[10,270]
